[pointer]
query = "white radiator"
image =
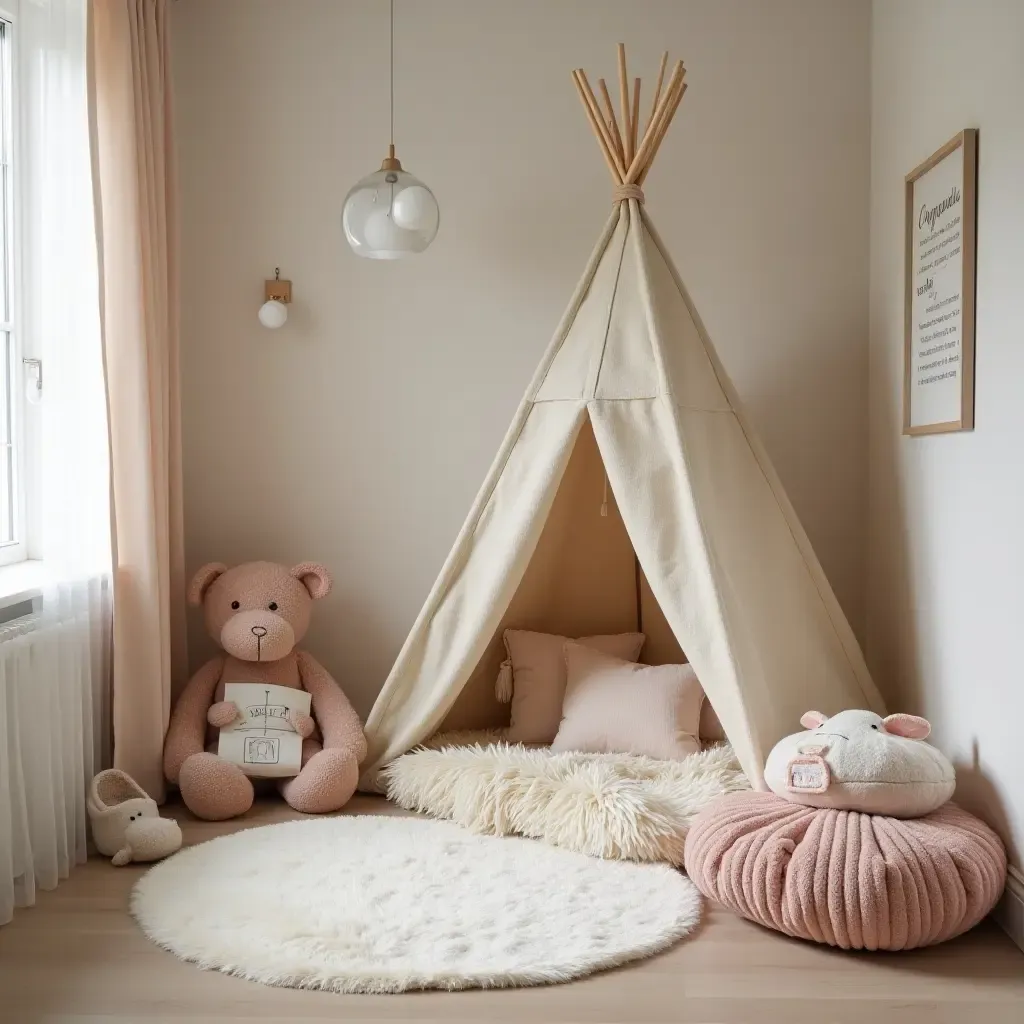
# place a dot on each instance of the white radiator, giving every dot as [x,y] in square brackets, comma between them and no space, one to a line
[54,735]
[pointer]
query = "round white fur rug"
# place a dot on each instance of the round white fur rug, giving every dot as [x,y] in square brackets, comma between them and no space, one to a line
[385,904]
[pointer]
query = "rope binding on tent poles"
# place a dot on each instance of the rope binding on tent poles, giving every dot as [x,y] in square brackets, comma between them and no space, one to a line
[628,156]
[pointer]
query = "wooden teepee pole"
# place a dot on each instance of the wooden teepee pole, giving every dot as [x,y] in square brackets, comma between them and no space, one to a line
[634,120]
[600,132]
[657,91]
[628,161]
[627,126]
[658,124]
[606,131]
[666,120]
[618,137]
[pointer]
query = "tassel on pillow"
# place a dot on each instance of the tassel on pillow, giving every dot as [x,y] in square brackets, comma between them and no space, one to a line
[503,684]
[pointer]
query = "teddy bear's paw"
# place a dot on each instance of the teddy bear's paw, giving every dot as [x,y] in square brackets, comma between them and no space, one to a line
[223,714]
[213,789]
[303,724]
[326,783]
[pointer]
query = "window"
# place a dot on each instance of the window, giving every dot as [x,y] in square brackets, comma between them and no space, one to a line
[12,539]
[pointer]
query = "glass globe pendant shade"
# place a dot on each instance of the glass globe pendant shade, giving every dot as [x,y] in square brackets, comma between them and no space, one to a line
[390,214]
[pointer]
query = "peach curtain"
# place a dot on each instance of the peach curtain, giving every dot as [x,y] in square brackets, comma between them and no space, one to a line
[129,43]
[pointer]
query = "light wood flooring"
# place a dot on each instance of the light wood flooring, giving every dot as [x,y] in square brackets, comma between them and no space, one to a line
[78,957]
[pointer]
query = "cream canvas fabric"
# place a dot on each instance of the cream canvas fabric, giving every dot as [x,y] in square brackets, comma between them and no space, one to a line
[614,706]
[539,677]
[719,545]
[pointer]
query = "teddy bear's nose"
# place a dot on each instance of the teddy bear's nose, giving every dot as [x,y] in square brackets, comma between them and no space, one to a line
[259,631]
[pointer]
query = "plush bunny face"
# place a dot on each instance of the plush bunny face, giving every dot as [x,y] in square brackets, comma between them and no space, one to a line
[857,760]
[258,611]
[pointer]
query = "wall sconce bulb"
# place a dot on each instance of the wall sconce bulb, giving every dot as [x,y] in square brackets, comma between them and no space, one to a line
[273,314]
[276,296]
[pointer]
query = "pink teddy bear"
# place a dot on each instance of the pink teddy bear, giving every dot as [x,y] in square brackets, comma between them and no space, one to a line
[258,612]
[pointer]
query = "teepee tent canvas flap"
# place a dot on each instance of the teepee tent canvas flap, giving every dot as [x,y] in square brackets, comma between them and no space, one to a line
[718,542]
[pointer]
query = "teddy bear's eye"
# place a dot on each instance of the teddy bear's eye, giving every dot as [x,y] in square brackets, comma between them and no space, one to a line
[874,727]
[234,605]
[272,606]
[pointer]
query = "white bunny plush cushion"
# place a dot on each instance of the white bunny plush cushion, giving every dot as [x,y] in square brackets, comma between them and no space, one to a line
[859,761]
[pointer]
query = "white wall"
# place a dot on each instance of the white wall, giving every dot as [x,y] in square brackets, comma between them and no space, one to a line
[946,567]
[359,434]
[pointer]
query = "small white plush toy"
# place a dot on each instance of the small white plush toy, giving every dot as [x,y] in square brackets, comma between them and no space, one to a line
[859,761]
[126,824]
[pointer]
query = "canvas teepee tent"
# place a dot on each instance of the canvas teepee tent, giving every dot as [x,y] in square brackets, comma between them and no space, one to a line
[631,387]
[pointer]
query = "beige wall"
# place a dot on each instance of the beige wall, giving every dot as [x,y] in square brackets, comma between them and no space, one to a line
[359,433]
[945,597]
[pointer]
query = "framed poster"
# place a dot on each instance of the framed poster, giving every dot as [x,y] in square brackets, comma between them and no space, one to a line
[940,258]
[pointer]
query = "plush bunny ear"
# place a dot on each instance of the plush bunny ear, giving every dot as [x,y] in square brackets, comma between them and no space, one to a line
[911,726]
[202,580]
[812,719]
[314,577]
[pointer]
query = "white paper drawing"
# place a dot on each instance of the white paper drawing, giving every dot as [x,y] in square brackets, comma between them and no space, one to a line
[262,741]
[262,750]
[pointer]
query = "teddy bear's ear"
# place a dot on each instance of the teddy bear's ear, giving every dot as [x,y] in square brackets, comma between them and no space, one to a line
[202,580]
[912,727]
[812,719]
[314,577]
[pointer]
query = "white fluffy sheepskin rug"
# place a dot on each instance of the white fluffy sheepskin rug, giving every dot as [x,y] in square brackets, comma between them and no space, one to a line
[385,904]
[619,806]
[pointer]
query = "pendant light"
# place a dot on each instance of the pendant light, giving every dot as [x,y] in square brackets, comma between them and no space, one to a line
[390,214]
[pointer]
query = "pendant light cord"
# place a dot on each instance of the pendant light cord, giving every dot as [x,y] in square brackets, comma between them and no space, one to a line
[392,73]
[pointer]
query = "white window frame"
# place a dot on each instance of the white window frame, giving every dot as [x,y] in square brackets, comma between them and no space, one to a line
[17,550]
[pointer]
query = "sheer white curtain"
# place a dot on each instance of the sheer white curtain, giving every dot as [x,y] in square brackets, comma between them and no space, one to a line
[55,663]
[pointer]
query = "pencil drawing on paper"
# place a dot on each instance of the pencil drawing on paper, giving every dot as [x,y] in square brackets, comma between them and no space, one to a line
[263,741]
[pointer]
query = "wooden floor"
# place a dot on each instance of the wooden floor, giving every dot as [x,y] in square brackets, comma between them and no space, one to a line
[77,956]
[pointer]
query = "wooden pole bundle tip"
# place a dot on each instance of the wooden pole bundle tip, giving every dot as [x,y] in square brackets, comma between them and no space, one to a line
[629,157]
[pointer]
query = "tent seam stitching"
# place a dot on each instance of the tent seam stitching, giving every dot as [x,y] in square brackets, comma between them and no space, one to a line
[705,341]
[591,393]
[569,317]
[668,395]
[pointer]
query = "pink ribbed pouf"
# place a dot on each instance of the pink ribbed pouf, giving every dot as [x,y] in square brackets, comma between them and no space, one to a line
[859,881]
